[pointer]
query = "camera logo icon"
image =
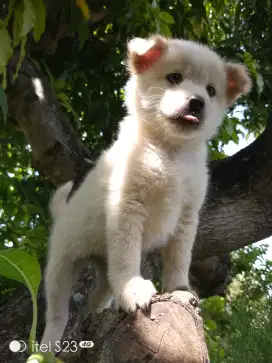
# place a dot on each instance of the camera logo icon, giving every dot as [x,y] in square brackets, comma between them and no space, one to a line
[17,346]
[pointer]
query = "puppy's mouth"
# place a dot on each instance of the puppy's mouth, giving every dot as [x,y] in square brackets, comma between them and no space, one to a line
[191,118]
[187,120]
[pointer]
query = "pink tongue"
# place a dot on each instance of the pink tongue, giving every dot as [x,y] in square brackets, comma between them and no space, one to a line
[191,118]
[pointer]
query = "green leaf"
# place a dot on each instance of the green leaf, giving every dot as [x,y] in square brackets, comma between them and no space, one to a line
[229,128]
[47,70]
[10,9]
[17,23]
[260,83]
[82,4]
[83,34]
[40,16]
[20,266]
[249,62]
[165,30]
[21,58]
[4,81]
[166,17]
[6,49]
[4,104]
[63,97]
[235,137]
[29,17]
[66,103]
[59,85]
[43,358]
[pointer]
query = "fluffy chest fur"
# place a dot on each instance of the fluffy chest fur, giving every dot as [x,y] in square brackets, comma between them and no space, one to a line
[163,196]
[161,182]
[176,181]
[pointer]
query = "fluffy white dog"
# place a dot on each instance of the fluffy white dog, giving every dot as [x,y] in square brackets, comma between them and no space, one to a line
[146,190]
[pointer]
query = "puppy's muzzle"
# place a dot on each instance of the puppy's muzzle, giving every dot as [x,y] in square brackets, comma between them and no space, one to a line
[191,112]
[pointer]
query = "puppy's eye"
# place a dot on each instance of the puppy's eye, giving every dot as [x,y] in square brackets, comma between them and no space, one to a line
[211,91]
[174,78]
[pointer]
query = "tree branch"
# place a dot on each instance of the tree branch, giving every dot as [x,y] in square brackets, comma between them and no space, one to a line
[238,208]
[57,150]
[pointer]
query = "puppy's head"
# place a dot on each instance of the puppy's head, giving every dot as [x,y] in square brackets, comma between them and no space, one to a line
[180,89]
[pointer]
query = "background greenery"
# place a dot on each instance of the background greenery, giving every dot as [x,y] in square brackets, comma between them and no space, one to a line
[87,73]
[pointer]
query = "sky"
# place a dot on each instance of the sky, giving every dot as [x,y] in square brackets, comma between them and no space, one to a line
[230,149]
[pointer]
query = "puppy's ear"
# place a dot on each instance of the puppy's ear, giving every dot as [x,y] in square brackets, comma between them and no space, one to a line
[143,53]
[238,81]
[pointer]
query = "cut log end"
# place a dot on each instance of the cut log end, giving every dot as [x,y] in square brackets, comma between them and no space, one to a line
[170,331]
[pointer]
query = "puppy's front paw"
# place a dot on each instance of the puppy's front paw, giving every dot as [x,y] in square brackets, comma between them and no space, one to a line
[137,292]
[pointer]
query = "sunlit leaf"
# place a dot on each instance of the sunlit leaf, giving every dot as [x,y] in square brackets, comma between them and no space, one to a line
[21,57]
[20,266]
[17,23]
[166,17]
[29,17]
[43,358]
[40,17]
[6,48]
[84,8]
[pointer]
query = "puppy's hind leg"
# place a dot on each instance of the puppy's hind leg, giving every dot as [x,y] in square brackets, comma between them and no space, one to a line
[61,273]
[101,296]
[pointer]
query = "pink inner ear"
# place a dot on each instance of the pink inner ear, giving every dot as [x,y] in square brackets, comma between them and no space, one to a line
[143,62]
[232,84]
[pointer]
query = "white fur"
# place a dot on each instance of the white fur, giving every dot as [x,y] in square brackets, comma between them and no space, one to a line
[145,191]
[58,199]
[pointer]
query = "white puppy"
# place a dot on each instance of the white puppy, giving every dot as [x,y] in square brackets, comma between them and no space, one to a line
[146,190]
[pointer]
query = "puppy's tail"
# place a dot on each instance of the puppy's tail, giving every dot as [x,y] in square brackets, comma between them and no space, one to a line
[59,198]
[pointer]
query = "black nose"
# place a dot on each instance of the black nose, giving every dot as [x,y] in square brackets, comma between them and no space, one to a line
[196,103]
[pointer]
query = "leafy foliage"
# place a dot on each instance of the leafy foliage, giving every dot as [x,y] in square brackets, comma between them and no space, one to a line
[26,16]
[238,327]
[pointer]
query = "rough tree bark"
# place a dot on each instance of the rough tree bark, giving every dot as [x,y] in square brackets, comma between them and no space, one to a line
[237,213]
